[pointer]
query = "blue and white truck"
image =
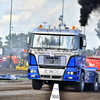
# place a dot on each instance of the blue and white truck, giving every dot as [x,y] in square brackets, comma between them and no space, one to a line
[59,56]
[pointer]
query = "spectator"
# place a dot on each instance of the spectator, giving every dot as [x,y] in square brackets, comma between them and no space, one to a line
[4,61]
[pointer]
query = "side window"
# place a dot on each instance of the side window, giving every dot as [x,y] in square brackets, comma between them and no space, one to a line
[31,39]
[81,43]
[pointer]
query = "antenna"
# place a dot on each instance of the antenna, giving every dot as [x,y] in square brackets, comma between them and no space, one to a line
[62,16]
[62,11]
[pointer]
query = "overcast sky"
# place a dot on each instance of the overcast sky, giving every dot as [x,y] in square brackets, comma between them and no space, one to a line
[28,14]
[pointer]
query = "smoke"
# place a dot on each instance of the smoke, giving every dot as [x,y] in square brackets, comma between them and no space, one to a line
[87,7]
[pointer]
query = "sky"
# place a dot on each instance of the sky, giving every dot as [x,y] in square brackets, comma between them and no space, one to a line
[29,14]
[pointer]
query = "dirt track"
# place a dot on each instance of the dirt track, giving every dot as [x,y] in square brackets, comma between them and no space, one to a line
[11,71]
[22,90]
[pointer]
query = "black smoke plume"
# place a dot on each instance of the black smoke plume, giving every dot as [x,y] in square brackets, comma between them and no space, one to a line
[87,7]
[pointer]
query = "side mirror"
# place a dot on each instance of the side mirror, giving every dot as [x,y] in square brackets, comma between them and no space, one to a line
[28,40]
[84,43]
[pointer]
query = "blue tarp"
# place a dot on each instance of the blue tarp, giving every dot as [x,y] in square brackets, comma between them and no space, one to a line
[11,77]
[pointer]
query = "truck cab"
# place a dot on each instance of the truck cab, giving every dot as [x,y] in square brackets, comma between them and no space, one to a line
[58,56]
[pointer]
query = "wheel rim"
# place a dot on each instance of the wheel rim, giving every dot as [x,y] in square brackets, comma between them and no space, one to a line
[96,83]
[82,82]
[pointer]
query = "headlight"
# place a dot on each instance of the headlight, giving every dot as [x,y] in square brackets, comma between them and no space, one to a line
[72,73]
[32,71]
[68,73]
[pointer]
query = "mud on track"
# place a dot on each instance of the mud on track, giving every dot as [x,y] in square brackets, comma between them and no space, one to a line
[22,90]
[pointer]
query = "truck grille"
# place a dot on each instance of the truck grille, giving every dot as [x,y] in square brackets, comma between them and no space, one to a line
[52,67]
[48,60]
[51,77]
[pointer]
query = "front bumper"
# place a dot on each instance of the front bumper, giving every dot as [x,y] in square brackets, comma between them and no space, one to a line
[53,74]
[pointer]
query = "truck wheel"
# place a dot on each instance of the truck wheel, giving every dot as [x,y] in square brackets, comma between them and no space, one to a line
[36,84]
[79,86]
[94,86]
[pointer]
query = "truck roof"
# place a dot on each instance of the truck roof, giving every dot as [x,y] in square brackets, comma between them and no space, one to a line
[55,31]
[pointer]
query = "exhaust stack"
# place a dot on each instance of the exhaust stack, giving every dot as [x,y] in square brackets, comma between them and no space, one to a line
[83,29]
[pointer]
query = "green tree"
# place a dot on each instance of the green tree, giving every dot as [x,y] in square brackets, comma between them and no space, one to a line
[17,41]
[21,40]
[7,41]
[0,42]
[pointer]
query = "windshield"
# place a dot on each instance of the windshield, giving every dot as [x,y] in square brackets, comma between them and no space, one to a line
[54,41]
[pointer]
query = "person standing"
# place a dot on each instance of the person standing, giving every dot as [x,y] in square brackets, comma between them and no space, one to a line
[4,61]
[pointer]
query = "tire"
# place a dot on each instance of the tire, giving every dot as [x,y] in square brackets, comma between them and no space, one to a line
[36,84]
[7,63]
[79,86]
[94,86]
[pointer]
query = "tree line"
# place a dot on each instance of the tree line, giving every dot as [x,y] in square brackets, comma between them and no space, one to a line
[17,41]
